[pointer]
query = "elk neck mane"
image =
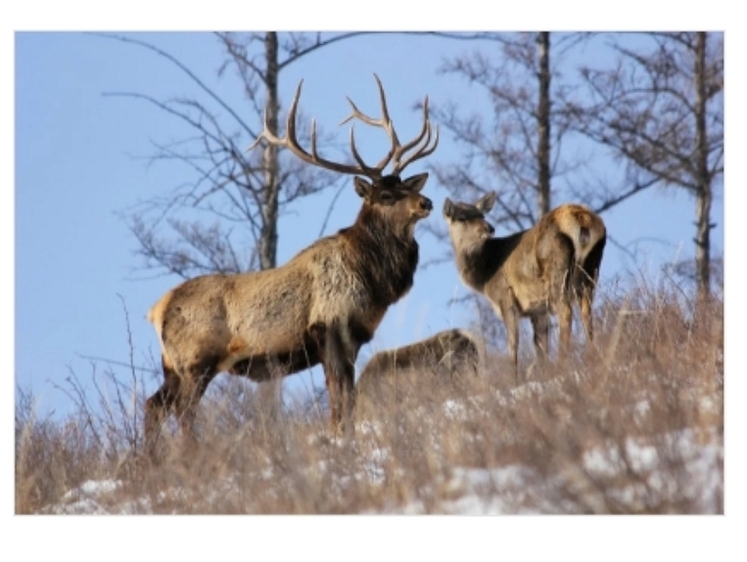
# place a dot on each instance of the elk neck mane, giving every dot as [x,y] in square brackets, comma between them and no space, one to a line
[477,264]
[386,257]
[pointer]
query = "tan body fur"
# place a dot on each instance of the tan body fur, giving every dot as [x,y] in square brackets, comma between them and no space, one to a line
[320,307]
[237,317]
[534,273]
[450,351]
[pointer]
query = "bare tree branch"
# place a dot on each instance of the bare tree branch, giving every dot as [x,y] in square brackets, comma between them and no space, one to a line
[661,110]
[246,190]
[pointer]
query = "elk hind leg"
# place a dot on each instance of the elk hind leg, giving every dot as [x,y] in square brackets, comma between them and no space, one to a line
[159,406]
[565,325]
[541,329]
[586,316]
[561,285]
[587,320]
[192,389]
[589,276]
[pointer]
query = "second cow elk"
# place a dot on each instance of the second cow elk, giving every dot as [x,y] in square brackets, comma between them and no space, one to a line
[320,307]
[450,352]
[536,272]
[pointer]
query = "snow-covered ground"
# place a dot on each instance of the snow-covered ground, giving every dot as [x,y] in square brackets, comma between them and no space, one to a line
[514,489]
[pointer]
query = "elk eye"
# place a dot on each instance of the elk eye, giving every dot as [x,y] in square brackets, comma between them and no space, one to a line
[387,198]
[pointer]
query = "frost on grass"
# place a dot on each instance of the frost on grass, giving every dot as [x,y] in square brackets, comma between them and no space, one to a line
[92,497]
[512,489]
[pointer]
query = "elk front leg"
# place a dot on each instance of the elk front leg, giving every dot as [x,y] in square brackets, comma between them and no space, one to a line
[339,370]
[329,352]
[541,328]
[510,315]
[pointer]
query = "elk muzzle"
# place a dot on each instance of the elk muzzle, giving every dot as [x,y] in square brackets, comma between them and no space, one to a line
[424,207]
[418,206]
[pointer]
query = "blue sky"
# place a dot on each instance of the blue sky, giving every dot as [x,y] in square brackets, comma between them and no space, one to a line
[81,162]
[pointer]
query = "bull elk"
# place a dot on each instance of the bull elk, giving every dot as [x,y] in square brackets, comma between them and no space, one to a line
[319,307]
[537,272]
[448,352]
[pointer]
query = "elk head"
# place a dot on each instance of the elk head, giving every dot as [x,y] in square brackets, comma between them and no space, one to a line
[398,202]
[467,224]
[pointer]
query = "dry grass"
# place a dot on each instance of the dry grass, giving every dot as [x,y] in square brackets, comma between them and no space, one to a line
[634,425]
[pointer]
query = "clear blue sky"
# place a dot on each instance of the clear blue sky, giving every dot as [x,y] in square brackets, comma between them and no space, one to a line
[78,164]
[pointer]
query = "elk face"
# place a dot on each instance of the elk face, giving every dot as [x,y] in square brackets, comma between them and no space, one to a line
[398,200]
[467,224]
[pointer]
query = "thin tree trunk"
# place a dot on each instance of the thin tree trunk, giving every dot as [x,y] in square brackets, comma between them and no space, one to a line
[543,124]
[268,241]
[704,193]
[269,393]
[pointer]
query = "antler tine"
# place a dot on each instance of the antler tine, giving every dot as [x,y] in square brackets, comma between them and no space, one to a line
[423,150]
[290,142]
[425,130]
[388,126]
[271,137]
[385,122]
[373,173]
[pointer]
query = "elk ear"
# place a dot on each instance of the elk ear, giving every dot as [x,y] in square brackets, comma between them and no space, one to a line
[363,188]
[416,182]
[448,208]
[486,202]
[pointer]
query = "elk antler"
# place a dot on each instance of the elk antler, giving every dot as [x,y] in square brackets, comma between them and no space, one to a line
[395,153]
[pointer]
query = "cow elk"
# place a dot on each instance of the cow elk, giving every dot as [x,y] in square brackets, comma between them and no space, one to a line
[320,307]
[451,352]
[537,272]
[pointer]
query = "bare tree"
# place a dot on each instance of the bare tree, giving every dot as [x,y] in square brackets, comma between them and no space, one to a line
[240,191]
[516,151]
[661,112]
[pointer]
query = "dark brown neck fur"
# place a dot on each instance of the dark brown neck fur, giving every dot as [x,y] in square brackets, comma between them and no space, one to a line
[479,264]
[386,257]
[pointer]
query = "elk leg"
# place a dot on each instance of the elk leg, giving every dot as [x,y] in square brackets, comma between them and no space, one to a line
[191,391]
[339,370]
[541,328]
[333,378]
[159,406]
[327,350]
[588,321]
[586,317]
[590,274]
[510,315]
[565,321]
